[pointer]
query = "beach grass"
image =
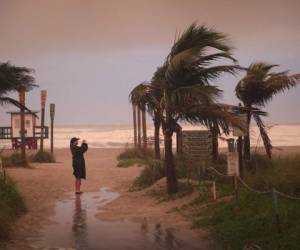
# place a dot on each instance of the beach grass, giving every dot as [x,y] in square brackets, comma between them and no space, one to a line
[134,153]
[250,220]
[152,172]
[14,160]
[42,157]
[11,206]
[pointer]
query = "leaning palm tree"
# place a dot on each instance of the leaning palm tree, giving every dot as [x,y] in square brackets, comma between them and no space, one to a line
[13,78]
[148,96]
[187,91]
[255,90]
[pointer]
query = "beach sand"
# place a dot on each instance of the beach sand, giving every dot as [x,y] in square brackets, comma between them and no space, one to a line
[44,184]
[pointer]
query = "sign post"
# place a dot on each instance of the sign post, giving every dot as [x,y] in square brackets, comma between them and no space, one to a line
[52,113]
[43,103]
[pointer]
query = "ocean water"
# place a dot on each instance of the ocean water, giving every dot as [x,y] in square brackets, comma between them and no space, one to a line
[118,136]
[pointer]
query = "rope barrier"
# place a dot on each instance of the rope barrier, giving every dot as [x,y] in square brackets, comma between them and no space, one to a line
[287,196]
[217,172]
[252,189]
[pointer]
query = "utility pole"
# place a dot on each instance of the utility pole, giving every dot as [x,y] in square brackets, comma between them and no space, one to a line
[52,113]
[22,129]
[43,103]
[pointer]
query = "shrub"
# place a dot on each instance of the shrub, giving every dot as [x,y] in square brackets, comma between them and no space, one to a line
[152,172]
[130,162]
[11,206]
[14,160]
[42,157]
[131,153]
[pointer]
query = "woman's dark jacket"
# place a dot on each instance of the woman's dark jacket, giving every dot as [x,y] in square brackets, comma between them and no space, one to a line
[78,160]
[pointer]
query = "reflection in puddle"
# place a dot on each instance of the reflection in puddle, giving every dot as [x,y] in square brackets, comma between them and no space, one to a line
[75,226]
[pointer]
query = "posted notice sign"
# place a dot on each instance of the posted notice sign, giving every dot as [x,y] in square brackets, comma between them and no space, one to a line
[233,164]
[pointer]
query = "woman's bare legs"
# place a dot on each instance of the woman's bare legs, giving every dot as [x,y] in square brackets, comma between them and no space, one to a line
[77,185]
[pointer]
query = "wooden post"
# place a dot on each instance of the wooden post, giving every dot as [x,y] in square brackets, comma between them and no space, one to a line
[43,103]
[214,191]
[52,113]
[179,139]
[215,143]
[240,154]
[276,211]
[139,127]
[236,189]
[22,131]
[144,126]
[134,107]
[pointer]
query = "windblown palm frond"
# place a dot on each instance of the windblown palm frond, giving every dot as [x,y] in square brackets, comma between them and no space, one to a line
[197,39]
[209,114]
[8,100]
[12,78]
[260,84]
[192,55]
[143,95]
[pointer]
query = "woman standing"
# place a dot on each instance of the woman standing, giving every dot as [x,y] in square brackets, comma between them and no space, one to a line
[78,161]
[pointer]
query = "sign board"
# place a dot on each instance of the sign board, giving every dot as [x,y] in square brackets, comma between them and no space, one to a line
[236,130]
[233,164]
[43,98]
[52,111]
[197,144]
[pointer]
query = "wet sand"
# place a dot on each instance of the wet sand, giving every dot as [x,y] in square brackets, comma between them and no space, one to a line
[44,185]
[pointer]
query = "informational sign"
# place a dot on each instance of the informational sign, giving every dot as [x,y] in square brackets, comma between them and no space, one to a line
[52,111]
[43,98]
[197,144]
[232,164]
[238,131]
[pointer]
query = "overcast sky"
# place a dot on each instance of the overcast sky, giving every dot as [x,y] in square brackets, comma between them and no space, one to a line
[90,54]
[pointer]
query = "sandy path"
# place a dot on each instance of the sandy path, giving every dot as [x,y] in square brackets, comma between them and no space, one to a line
[45,184]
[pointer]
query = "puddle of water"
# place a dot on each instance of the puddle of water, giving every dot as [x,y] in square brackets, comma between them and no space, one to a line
[75,226]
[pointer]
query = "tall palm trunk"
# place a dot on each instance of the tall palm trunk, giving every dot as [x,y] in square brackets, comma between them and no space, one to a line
[144,128]
[247,136]
[169,128]
[157,123]
[139,128]
[134,125]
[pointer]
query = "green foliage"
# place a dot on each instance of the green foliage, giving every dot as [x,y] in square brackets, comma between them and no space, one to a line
[184,188]
[42,157]
[130,162]
[134,153]
[283,173]
[14,160]
[152,172]
[253,222]
[11,206]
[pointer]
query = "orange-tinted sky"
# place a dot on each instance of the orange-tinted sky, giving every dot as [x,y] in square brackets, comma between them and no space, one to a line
[89,54]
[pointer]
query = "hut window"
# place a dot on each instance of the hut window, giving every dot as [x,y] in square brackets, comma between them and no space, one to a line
[17,123]
[27,123]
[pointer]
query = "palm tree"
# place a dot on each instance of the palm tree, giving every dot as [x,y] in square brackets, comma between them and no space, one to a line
[187,93]
[255,90]
[13,78]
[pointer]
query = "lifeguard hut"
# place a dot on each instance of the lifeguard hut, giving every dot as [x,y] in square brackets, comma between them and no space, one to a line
[32,132]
